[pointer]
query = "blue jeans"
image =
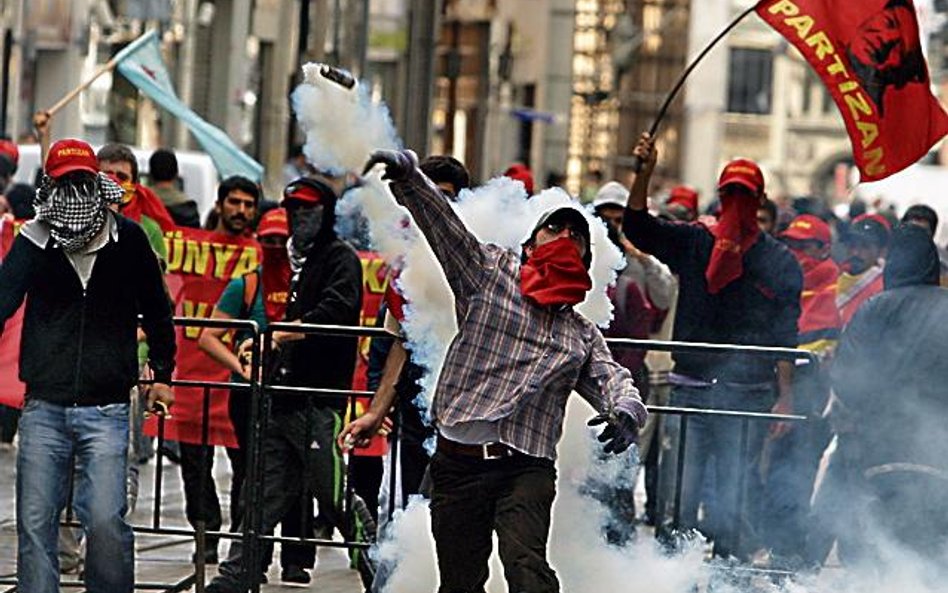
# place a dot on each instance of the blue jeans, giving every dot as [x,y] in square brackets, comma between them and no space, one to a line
[713,444]
[50,435]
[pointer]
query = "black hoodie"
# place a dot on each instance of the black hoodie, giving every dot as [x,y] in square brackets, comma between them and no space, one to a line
[327,292]
[890,369]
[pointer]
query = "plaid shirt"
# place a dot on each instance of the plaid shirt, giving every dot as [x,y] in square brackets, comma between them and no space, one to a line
[512,362]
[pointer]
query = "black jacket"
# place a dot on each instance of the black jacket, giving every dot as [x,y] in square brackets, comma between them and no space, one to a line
[328,292]
[890,370]
[79,347]
[760,308]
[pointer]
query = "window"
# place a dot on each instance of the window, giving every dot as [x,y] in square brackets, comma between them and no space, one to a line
[750,77]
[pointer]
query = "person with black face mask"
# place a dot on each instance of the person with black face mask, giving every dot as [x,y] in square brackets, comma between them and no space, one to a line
[888,382]
[299,439]
[861,275]
[260,296]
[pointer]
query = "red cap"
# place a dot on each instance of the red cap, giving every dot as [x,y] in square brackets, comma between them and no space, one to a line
[8,148]
[70,155]
[685,196]
[876,217]
[521,173]
[742,171]
[807,227]
[273,223]
[309,191]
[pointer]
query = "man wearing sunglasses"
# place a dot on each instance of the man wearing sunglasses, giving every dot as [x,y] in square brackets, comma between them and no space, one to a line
[521,349]
[88,273]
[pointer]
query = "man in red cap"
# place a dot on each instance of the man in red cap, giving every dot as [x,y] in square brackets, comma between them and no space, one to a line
[302,457]
[682,203]
[793,459]
[79,360]
[501,396]
[259,296]
[9,160]
[737,286]
[866,241]
[521,173]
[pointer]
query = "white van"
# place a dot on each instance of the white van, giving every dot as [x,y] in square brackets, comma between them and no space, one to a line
[197,175]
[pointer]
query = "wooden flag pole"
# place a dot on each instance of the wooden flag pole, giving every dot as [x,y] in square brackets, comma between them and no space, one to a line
[637,164]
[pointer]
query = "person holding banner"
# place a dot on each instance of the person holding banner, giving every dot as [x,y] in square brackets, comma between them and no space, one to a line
[738,285]
[88,274]
[237,200]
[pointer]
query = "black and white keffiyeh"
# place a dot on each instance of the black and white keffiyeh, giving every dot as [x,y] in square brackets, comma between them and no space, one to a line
[75,207]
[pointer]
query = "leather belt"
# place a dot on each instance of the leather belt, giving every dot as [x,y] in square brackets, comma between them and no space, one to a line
[487,451]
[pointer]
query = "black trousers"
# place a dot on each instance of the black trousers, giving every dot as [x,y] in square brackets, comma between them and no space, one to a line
[301,459]
[200,505]
[298,521]
[471,499]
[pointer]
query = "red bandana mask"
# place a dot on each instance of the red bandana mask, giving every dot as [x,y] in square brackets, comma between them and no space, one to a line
[735,233]
[276,282]
[555,275]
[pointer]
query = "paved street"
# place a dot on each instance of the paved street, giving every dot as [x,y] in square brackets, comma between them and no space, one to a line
[165,559]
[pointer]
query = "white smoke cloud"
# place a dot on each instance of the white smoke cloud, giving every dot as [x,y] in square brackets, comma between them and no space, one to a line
[342,126]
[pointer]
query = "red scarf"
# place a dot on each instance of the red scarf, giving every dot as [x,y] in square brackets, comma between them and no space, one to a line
[147,203]
[734,234]
[555,275]
[276,282]
[818,301]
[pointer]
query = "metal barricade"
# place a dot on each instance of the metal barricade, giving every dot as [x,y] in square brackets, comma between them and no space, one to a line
[686,413]
[260,390]
[155,527]
[260,416]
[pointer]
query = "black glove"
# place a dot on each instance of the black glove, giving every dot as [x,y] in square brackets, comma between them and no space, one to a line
[622,430]
[398,163]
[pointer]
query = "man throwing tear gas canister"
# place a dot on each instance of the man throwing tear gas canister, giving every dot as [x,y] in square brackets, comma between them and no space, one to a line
[501,397]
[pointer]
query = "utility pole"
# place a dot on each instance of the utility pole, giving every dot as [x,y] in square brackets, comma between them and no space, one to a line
[186,69]
[422,31]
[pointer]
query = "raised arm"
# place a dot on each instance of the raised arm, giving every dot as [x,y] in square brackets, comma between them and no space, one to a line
[667,241]
[456,248]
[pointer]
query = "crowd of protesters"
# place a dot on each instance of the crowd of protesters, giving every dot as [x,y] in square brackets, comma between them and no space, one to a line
[743,271]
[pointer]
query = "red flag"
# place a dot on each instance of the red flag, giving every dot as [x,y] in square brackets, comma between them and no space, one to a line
[870,58]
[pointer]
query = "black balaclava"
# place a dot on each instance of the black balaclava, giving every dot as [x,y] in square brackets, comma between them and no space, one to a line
[912,259]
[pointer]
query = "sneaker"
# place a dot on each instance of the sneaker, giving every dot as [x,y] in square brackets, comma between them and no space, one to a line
[295,574]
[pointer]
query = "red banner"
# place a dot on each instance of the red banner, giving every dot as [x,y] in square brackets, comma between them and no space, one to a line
[869,57]
[374,283]
[200,264]
[11,390]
